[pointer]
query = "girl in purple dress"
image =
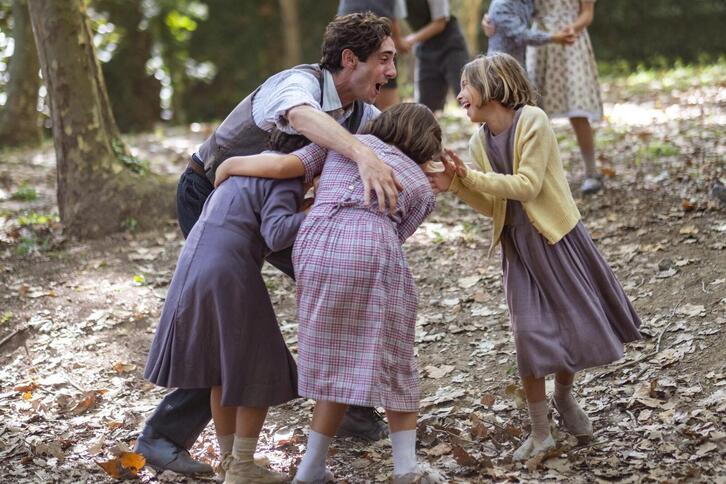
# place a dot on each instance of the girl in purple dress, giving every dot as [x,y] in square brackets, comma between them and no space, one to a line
[356,296]
[568,310]
[218,329]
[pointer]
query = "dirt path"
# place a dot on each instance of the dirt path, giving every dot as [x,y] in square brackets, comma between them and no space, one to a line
[76,321]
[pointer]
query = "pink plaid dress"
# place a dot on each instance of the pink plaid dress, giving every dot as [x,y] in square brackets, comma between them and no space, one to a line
[356,297]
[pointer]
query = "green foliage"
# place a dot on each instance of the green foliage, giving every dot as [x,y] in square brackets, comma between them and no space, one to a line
[654,150]
[180,26]
[470,231]
[136,165]
[36,232]
[5,317]
[242,39]
[34,219]
[25,193]
[130,224]
[678,76]
[629,33]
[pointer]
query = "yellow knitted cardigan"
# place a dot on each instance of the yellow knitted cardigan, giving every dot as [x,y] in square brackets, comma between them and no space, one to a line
[538,180]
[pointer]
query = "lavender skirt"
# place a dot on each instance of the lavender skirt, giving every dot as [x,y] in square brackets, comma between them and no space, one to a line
[568,310]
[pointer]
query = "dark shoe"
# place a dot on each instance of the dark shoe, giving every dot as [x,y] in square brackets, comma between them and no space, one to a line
[718,191]
[162,454]
[591,185]
[363,423]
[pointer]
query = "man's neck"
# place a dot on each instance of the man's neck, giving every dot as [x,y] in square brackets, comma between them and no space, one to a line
[341,79]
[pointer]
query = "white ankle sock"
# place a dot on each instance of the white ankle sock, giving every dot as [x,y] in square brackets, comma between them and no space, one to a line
[225,444]
[243,448]
[312,466]
[539,421]
[404,452]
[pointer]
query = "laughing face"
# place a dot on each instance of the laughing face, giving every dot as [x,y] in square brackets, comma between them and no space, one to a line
[368,78]
[470,99]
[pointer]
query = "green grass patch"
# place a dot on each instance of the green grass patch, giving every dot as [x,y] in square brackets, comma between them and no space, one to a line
[36,232]
[6,317]
[641,79]
[26,193]
[654,150]
[36,219]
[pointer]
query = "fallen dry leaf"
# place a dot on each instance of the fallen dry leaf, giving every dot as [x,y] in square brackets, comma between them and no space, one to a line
[125,466]
[28,387]
[122,367]
[438,372]
[463,458]
[86,403]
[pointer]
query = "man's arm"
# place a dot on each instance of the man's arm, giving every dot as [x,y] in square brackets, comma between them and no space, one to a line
[323,130]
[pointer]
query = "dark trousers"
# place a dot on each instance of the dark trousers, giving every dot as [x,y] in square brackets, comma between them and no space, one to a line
[184,413]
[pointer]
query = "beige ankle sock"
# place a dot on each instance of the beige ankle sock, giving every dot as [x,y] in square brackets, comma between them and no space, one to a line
[538,418]
[225,444]
[574,417]
[243,449]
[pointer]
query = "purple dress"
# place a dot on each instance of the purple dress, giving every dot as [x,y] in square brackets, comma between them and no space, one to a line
[568,310]
[355,294]
[218,326]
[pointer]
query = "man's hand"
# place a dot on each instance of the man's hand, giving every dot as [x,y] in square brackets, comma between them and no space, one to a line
[488,26]
[322,129]
[378,178]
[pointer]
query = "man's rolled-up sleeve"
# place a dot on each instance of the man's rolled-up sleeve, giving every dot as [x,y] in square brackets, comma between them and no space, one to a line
[299,88]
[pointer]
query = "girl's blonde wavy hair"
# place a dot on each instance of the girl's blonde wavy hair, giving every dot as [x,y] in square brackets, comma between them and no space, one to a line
[499,77]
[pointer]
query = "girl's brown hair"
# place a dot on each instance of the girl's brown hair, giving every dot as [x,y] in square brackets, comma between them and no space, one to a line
[285,143]
[499,77]
[410,127]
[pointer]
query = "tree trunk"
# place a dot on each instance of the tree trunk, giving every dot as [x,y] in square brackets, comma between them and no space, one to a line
[20,120]
[291,32]
[472,24]
[134,93]
[97,191]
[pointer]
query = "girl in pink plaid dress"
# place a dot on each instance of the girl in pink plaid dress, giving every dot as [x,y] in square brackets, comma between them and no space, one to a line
[356,296]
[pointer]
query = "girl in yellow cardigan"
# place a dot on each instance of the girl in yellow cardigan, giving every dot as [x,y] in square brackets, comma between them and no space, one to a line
[568,310]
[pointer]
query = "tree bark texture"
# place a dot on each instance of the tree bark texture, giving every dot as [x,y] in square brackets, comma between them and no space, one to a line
[291,32]
[472,26]
[97,192]
[19,119]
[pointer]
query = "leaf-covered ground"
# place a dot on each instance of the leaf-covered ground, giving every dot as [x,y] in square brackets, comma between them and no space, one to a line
[77,318]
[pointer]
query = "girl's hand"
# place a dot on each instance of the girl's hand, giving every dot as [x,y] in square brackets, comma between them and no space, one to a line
[457,164]
[488,26]
[440,181]
[565,36]
[221,174]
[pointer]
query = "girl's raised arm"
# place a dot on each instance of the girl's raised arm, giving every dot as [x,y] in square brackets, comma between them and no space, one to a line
[264,165]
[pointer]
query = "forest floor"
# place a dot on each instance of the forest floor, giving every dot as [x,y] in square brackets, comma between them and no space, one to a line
[77,318]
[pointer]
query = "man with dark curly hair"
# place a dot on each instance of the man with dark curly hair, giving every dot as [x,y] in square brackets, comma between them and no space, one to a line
[395,11]
[326,103]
